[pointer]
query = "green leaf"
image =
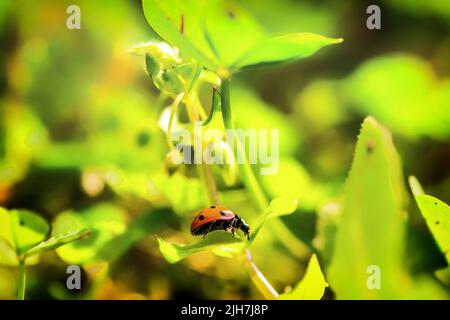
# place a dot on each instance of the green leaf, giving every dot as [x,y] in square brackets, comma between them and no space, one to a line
[281,207]
[371,229]
[57,241]
[223,37]
[437,216]
[178,22]
[278,207]
[283,48]
[105,222]
[311,287]
[28,229]
[220,242]
[8,250]
[214,32]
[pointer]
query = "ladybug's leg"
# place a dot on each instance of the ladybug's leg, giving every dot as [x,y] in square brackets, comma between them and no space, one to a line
[208,230]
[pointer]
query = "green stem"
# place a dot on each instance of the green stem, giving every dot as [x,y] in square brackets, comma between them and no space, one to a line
[206,175]
[173,112]
[21,283]
[204,170]
[259,279]
[295,246]
[246,171]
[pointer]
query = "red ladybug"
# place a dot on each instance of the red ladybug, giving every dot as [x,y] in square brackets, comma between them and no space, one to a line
[218,218]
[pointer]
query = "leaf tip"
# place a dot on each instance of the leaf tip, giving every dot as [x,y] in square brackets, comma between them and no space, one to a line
[415,186]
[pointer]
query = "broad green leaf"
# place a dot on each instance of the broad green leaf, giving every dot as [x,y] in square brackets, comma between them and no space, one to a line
[214,32]
[105,221]
[283,48]
[57,241]
[28,229]
[179,23]
[230,30]
[311,287]
[220,242]
[437,216]
[371,229]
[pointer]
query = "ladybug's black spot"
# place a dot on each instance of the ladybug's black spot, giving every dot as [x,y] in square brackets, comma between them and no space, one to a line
[222,213]
[213,207]
[201,217]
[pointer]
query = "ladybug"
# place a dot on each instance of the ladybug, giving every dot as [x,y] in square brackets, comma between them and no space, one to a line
[218,218]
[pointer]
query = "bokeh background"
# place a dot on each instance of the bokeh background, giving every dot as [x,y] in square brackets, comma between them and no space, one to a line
[80,132]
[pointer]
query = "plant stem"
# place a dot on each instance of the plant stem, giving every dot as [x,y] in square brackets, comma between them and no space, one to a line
[246,171]
[206,175]
[259,280]
[21,283]
[295,246]
[204,170]
[173,112]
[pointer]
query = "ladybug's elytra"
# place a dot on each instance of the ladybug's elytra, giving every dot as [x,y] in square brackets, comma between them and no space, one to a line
[218,218]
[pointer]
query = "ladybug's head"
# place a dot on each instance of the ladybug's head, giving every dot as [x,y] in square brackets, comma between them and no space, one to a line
[244,227]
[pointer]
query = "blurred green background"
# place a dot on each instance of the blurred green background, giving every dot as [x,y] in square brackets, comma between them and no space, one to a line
[80,132]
